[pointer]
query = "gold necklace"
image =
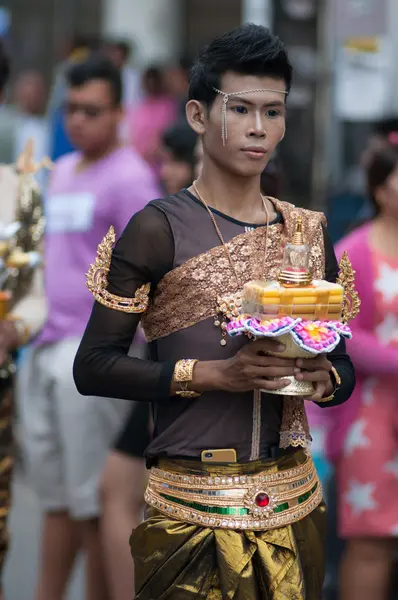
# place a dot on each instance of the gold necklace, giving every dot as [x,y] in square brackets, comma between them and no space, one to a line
[228,306]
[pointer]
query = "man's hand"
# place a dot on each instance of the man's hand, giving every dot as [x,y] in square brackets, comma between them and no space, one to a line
[316,370]
[9,339]
[250,369]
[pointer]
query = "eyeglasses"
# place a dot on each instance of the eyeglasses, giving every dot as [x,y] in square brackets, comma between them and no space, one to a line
[91,111]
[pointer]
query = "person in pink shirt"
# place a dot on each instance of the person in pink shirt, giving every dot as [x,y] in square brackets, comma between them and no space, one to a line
[363,434]
[149,119]
[66,439]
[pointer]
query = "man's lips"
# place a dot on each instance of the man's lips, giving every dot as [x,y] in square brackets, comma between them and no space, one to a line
[255,151]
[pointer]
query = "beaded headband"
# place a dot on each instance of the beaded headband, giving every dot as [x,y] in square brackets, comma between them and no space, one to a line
[226,97]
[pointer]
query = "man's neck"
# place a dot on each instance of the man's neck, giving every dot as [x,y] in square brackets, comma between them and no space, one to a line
[89,158]
[236,196]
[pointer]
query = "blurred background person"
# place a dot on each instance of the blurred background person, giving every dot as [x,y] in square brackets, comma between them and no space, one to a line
[148,120]
[178,157]
[122,497]
[30,98]
[362,437]
[120,52]
[178,83]
[24,118]
[66,437]
[350,205]
[78,50]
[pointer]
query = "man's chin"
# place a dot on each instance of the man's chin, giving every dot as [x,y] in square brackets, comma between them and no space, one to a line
[250,171]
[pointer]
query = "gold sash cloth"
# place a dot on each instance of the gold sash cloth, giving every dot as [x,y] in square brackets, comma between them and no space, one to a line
[175,560]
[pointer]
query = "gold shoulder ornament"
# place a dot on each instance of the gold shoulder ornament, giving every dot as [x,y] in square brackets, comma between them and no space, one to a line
[97,281]
[351,300]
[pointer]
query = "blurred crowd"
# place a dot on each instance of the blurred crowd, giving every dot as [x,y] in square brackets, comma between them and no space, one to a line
[152,100]
[133,144]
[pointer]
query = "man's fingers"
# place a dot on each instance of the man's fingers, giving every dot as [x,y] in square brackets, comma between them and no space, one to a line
[313,376]
[314,364]
[320,389]
[269,384]
[273,361]
[271,371]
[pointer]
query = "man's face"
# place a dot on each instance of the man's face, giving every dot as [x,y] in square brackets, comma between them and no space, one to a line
[255,122]
[92,118]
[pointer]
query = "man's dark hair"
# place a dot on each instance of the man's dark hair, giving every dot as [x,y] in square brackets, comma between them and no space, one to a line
[247,50]
[181,140]
[4,66]
[94,68]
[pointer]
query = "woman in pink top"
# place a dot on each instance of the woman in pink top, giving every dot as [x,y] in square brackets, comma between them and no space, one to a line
[151,117]
[363,434]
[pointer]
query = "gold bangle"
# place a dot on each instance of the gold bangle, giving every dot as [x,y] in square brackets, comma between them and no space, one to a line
[327,399]
[336,377]
[183,374]
[21,327]
[337,382]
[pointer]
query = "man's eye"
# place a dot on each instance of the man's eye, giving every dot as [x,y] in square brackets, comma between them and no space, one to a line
[241,110]
[272,112]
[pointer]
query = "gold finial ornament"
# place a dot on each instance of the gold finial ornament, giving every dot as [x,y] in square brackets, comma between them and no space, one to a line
[97,281]
[351,300]
[298,237]
[296,259]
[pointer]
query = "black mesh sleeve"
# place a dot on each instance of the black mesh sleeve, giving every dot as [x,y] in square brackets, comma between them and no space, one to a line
[102,367]
[338,357]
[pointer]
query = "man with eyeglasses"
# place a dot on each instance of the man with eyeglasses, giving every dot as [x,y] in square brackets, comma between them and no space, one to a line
[67,439]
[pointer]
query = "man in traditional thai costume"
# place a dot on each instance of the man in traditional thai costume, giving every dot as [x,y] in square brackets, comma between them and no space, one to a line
[221,452]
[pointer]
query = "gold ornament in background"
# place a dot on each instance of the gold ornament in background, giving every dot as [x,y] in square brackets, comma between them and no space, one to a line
[351,300]
[26,165]
[22,252]
[21,242]
[97,281]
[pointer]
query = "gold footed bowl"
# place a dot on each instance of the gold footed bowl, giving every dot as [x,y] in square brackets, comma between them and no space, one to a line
[295,388]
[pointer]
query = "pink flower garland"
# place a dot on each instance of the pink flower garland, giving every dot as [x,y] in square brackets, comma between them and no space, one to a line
[316,337]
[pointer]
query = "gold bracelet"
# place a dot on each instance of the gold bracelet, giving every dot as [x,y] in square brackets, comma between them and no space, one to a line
[183,374]
[21,327]
[337,383]
[327,399]
[336,377]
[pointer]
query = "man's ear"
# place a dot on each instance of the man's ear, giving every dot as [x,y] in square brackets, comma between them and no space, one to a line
[196,116]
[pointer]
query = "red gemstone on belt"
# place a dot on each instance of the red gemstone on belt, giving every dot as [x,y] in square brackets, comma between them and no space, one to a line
[262,500]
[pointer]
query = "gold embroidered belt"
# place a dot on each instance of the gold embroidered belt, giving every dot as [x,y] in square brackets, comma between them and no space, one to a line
[255,502]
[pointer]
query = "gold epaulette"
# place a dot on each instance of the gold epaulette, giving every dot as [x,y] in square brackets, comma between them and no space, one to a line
[351,300]
[97,281]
